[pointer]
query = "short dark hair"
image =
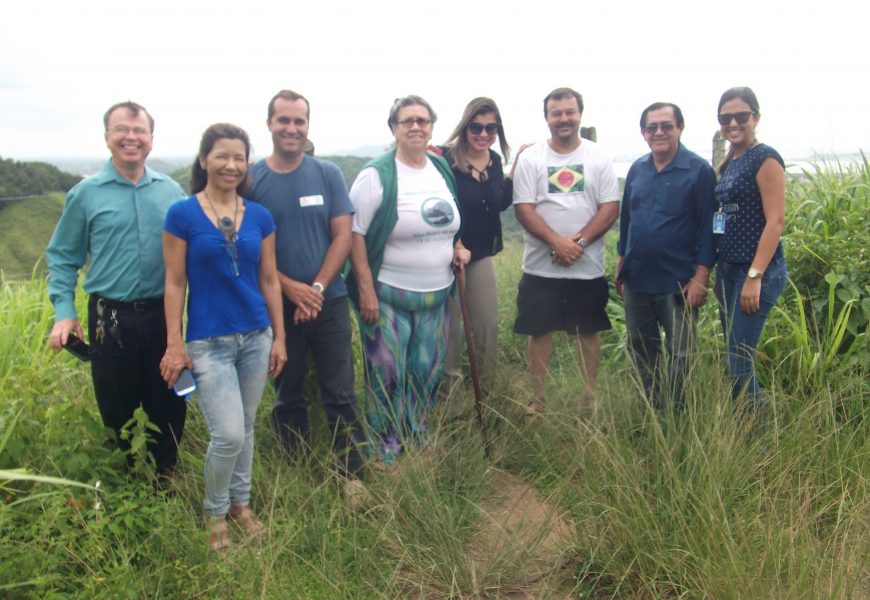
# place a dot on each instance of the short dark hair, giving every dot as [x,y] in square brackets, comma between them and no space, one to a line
[133,108]
[678,114]
[218,131]
[288,95]
[409,100]
[741,92]
[563,92]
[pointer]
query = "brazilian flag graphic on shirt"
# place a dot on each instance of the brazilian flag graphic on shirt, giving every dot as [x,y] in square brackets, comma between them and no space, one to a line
[565,179]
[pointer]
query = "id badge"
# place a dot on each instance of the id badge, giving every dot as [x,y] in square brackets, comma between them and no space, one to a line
[719,222]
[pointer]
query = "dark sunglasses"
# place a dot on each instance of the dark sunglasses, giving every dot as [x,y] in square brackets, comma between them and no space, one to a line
[665,127]
[228,228]
[477,128]
[741,117]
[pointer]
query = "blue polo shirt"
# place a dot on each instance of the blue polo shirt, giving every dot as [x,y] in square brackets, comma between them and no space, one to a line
[666,226]
[118,224]
[303,202]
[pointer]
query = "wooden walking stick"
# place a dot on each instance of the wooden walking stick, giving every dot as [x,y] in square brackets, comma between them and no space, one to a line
[472,359]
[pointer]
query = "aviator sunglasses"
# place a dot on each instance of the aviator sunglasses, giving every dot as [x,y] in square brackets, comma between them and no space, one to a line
[741,117]
[477,128]
[651,128]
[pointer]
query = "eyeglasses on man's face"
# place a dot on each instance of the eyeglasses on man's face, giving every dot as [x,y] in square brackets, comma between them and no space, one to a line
[122,130]
[666,127]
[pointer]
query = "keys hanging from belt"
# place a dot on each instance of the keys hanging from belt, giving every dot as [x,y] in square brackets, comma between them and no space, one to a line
[100,329]
[115,329]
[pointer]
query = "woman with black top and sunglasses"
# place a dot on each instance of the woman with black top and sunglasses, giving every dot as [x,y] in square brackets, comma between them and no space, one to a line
[484,192]
[224,247]
[751,273]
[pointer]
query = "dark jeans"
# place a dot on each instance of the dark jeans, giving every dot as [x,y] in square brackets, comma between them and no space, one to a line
[743,331]
[328,338]
[645,315]
[129,377]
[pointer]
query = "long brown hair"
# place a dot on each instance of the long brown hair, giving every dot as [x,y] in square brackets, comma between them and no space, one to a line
[218,131]
[741,93]
[457,143]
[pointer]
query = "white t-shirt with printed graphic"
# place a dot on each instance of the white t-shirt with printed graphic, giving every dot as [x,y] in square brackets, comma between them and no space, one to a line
[419,250]
[567,190]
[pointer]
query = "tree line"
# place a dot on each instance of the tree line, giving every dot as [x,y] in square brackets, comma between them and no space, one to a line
[19,179]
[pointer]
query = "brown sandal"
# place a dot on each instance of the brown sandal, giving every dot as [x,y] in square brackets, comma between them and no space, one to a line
[247,521]
[218,534]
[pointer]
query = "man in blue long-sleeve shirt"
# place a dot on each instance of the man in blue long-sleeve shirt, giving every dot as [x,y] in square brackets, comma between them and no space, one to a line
[666,250]
[116,219]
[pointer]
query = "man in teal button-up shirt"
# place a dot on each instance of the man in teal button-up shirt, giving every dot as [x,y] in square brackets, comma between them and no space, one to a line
[116,219]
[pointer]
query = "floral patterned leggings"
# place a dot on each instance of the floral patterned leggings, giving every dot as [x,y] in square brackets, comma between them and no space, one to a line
[404,361]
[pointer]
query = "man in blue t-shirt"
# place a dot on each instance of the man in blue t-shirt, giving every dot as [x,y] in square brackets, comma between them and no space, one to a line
[665,251]
[308,200]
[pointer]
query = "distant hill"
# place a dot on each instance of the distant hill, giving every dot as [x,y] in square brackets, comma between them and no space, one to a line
[27,226]
[89,166]
[31,178]
[349,166]
[369,151]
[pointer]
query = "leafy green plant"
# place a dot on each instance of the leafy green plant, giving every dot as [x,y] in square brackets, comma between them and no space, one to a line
[138,432]
[815,352]
[828,235]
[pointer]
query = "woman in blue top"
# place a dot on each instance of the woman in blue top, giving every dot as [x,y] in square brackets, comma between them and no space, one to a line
[752,272]
[224,247]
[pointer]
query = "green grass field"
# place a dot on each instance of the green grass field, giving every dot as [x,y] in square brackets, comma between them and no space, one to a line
[27,226]
[622,505]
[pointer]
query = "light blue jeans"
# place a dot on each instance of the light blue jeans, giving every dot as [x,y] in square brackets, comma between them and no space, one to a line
[230,372]
[743,331]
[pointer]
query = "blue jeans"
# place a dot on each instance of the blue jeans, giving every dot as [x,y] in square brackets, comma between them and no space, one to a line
[743,331]
[645,314]
[230,372]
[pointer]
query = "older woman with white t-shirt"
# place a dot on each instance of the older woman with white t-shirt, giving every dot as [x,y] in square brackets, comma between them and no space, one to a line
[405,246]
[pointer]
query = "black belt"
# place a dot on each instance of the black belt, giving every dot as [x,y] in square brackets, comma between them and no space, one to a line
[135,305]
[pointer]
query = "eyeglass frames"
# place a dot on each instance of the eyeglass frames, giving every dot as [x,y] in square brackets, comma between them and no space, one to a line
[651,128]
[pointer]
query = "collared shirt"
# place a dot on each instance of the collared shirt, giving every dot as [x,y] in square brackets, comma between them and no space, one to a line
[118,224]
[666,227]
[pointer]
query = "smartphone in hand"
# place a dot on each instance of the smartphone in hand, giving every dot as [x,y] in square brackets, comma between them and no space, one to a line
[185,383]
[77,347]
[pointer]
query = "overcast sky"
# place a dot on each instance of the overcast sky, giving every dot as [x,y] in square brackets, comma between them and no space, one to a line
[195,63]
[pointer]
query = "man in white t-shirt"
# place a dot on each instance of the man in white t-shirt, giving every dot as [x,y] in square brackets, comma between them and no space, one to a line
[566,197]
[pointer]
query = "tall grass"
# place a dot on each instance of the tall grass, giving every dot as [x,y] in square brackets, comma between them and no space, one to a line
[702,504]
